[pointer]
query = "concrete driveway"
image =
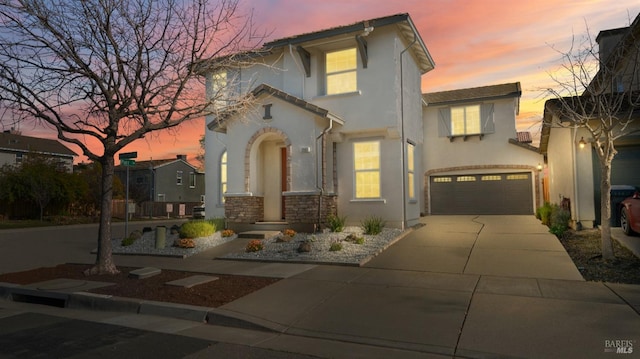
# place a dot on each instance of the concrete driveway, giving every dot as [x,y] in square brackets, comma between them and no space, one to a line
[511,246]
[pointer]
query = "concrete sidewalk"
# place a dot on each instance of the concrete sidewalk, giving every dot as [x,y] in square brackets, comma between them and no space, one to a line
[461,286]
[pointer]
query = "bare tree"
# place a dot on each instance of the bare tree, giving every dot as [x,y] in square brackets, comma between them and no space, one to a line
[600,92]
[104,73]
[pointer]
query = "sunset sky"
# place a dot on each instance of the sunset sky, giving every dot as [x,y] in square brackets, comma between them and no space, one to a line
[473,43]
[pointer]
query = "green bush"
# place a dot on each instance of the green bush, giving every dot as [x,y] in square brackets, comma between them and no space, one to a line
[372,225]
[544,213]
[335,246]
[559,220]
[359,240]
[127,241]
[336,224]
[218,223]
[196,229]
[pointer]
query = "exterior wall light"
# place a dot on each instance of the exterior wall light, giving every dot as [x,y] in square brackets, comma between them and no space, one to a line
[582,143]
[539,167]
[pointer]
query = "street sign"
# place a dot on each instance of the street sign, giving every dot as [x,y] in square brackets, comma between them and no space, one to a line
[128,163]
[128,155]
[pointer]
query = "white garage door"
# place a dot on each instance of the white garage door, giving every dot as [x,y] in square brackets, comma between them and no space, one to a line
[495,193]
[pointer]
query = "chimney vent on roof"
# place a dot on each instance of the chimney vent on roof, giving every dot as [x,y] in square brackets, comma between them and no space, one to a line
[182,157]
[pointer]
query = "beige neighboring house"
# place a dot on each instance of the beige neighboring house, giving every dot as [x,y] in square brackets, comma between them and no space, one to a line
[475,161]
[15,148]
[573,171]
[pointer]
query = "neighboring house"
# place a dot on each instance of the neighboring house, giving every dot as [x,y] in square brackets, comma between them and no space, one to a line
[15,148]
[338,125]
[474,160]
[573,170]
[165,180]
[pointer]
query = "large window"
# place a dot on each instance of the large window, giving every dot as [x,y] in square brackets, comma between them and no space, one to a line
[219,89]
[341,68]
[411,148]
[223,176]
[465,120]
[366,160]
[192,180]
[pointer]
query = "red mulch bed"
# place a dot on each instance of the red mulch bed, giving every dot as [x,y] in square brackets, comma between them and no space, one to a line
[212,294]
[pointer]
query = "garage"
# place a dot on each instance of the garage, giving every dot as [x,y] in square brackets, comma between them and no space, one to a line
[493,193]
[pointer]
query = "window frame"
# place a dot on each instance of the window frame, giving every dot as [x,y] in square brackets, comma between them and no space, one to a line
[466,120]
[351,70]
[192,180]
[411,170]
[179,178]
[377,169]
[223,184]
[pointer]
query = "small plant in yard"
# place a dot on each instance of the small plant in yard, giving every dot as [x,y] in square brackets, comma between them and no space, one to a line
[372,225]
[336,224]
[195,229]
[217,222]
[289,232]
[359,240]
[544,213]
[186,243]
[228,233]
[254,246]
[127,241]
[354,239]
[559,220]
[336,245]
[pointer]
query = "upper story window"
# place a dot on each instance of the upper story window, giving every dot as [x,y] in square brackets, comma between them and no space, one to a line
[192,180]
[19,158]
[366,161]
[465,120]
[179,178]
[219,89]
[411,169]
[341,70]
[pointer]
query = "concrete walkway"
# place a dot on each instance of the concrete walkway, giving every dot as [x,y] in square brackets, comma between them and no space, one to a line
[461,286]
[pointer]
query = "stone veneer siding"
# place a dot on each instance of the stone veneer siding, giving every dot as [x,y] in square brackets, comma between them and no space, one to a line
[304,208]
[244,209]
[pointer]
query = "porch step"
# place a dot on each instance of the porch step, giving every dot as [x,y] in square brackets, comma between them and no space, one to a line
[257,234]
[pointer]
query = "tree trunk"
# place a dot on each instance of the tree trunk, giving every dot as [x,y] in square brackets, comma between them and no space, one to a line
[104,257]
[605,208]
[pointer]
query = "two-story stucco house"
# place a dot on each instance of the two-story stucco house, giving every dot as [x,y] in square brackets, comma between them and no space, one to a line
[335,127]
[338,125]
[474,160]
[573,165]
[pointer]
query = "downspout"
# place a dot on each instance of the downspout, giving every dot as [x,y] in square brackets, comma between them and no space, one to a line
[320,180]
[575,178]
[293,57]
[402,160]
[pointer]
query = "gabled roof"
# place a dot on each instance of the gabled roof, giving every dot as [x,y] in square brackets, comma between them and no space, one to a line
[403,21]
[484,93]
[18,143]
[155,164]
[264,89]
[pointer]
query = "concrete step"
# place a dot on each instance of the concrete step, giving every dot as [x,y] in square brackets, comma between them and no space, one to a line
[145,272]
[257,234]
[192,281]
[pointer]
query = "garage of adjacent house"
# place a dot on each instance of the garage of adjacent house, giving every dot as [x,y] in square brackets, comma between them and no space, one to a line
[491,193]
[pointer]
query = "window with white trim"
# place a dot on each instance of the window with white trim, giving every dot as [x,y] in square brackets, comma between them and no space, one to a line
[341,71]
[179,178]
[411,182]
[366,161]
[192,180]
[219,89]
[223,176]
[465,120]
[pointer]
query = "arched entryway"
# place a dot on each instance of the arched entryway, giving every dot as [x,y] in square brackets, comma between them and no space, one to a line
[267,169]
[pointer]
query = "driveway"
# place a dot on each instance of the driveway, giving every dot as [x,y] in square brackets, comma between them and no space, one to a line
[510,246]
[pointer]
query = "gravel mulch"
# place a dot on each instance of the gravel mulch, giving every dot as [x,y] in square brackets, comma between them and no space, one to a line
[146,245]
[585,250]
[351,253]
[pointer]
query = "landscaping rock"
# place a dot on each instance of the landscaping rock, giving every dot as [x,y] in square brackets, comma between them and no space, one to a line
[284,239]
[304,247]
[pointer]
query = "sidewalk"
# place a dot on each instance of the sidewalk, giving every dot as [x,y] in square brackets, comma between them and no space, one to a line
[461,286]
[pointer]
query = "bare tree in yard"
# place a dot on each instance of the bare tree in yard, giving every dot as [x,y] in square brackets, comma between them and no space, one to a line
[601,94]
[104,73]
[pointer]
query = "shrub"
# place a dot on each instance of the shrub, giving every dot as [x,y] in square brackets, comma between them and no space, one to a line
[186,243]
[372,225]
[127,241]
[336,245]
[217,222]
[544,213]
[289,232]
[359,240]
[336,224]
[559,220]
[228,233]
[195,229]
[254,246]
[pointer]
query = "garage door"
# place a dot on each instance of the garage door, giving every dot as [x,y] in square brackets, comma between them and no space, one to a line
[495,193]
